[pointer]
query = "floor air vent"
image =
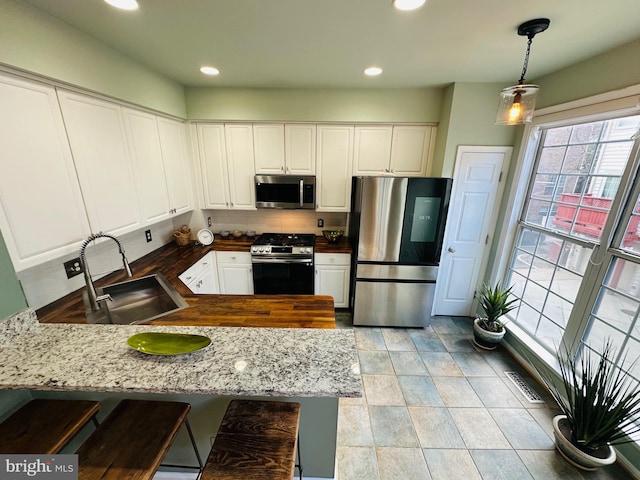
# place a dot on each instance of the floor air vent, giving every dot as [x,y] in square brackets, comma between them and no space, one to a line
[524,387]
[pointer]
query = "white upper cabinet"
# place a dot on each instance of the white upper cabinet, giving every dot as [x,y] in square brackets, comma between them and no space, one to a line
[177,164]
[411,150]
[372,150]
[227,165]
[144,140]
[42,215]
[334,161]
[213,165]
[285,149]
[96,132]
[268,145]
[300,148]
[240,166]
[402,150]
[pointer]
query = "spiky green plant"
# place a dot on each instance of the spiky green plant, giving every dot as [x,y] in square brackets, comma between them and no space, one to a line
[601,402]
[495,302]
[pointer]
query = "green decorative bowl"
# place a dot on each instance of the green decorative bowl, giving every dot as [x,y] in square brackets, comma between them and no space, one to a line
[160,343]
[333,235]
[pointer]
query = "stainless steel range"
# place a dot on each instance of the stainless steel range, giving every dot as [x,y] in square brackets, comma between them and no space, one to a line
[283,264]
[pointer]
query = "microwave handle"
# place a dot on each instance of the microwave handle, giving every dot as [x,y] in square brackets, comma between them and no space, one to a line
[301,193]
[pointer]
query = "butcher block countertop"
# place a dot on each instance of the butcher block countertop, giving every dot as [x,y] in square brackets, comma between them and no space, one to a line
[277,311]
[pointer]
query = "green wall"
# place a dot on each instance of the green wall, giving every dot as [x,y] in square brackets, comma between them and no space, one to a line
[38,43]
[420,105]
[468,116]
[611,70]
[11,298]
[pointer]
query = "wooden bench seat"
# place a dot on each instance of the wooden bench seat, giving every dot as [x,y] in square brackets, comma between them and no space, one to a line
[256,440]
[45,425]
[132,441]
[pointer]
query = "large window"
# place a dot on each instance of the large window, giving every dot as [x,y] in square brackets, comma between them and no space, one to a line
[558,252]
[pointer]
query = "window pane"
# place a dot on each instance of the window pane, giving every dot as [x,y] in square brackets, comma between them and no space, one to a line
[558,309]
[631,240]
[546,282]
[615,315]
[549,334]
[577,176]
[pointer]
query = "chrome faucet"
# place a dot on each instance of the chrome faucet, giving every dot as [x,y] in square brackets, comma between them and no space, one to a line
[94,299]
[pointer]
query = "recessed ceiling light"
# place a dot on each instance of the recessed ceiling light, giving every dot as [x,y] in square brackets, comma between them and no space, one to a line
[209,70]
[123,4]
[373,71]
[408,4]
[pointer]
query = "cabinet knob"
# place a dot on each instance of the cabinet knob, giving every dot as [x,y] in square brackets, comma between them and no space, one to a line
[451,250]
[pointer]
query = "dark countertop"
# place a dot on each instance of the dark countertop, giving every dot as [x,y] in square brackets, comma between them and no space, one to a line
[308,311]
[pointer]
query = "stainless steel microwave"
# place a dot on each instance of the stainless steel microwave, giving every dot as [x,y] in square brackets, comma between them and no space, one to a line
[286,191]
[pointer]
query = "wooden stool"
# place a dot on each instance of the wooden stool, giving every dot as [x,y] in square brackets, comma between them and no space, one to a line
[45,425]
[256,440]
[132,441]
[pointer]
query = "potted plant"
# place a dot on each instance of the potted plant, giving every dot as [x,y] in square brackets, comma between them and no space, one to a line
[600,407]
[495,302]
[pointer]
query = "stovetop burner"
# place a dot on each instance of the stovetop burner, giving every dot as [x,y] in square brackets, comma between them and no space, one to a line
[286,239]
[283,244]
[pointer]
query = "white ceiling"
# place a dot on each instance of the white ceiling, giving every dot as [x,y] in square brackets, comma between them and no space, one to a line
[328,43]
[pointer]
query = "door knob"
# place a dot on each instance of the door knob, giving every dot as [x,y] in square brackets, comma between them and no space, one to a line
[451,250]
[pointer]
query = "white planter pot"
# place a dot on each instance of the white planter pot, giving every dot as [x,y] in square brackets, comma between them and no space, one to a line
[575,456]
[484,338]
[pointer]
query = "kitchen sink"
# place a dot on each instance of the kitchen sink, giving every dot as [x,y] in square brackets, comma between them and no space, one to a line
[136,301]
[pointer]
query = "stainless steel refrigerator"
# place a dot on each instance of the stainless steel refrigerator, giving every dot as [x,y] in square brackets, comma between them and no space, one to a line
[396,228]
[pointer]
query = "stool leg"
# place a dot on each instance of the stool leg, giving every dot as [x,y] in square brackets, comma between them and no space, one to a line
[95,421]
[299,465]
[193,442]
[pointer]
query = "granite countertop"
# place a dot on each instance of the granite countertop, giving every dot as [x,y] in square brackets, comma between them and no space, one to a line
[281,362]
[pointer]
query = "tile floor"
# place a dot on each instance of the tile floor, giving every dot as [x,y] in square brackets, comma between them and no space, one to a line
[436,408]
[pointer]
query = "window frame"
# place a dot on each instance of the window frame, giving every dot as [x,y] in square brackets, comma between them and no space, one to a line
[602,107]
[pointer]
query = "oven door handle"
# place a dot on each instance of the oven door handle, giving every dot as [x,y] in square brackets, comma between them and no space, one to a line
[281,260]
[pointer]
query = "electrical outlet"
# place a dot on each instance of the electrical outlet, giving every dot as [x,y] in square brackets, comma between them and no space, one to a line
[209,221]
[147,233]
[320,222]
[73,267]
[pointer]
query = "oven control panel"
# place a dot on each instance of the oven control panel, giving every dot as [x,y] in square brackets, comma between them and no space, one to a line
[272,249]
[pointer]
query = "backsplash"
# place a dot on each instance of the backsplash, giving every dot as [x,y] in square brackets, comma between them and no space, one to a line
[275,221]
[48,282]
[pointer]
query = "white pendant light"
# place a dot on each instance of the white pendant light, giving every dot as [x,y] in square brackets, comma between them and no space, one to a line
[517,103]
[407,4]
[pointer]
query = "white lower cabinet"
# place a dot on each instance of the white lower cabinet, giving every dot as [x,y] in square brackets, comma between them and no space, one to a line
[235,273]
[202,276]
[332,277]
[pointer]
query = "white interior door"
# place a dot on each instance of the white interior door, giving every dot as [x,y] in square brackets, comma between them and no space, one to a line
[476,193]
